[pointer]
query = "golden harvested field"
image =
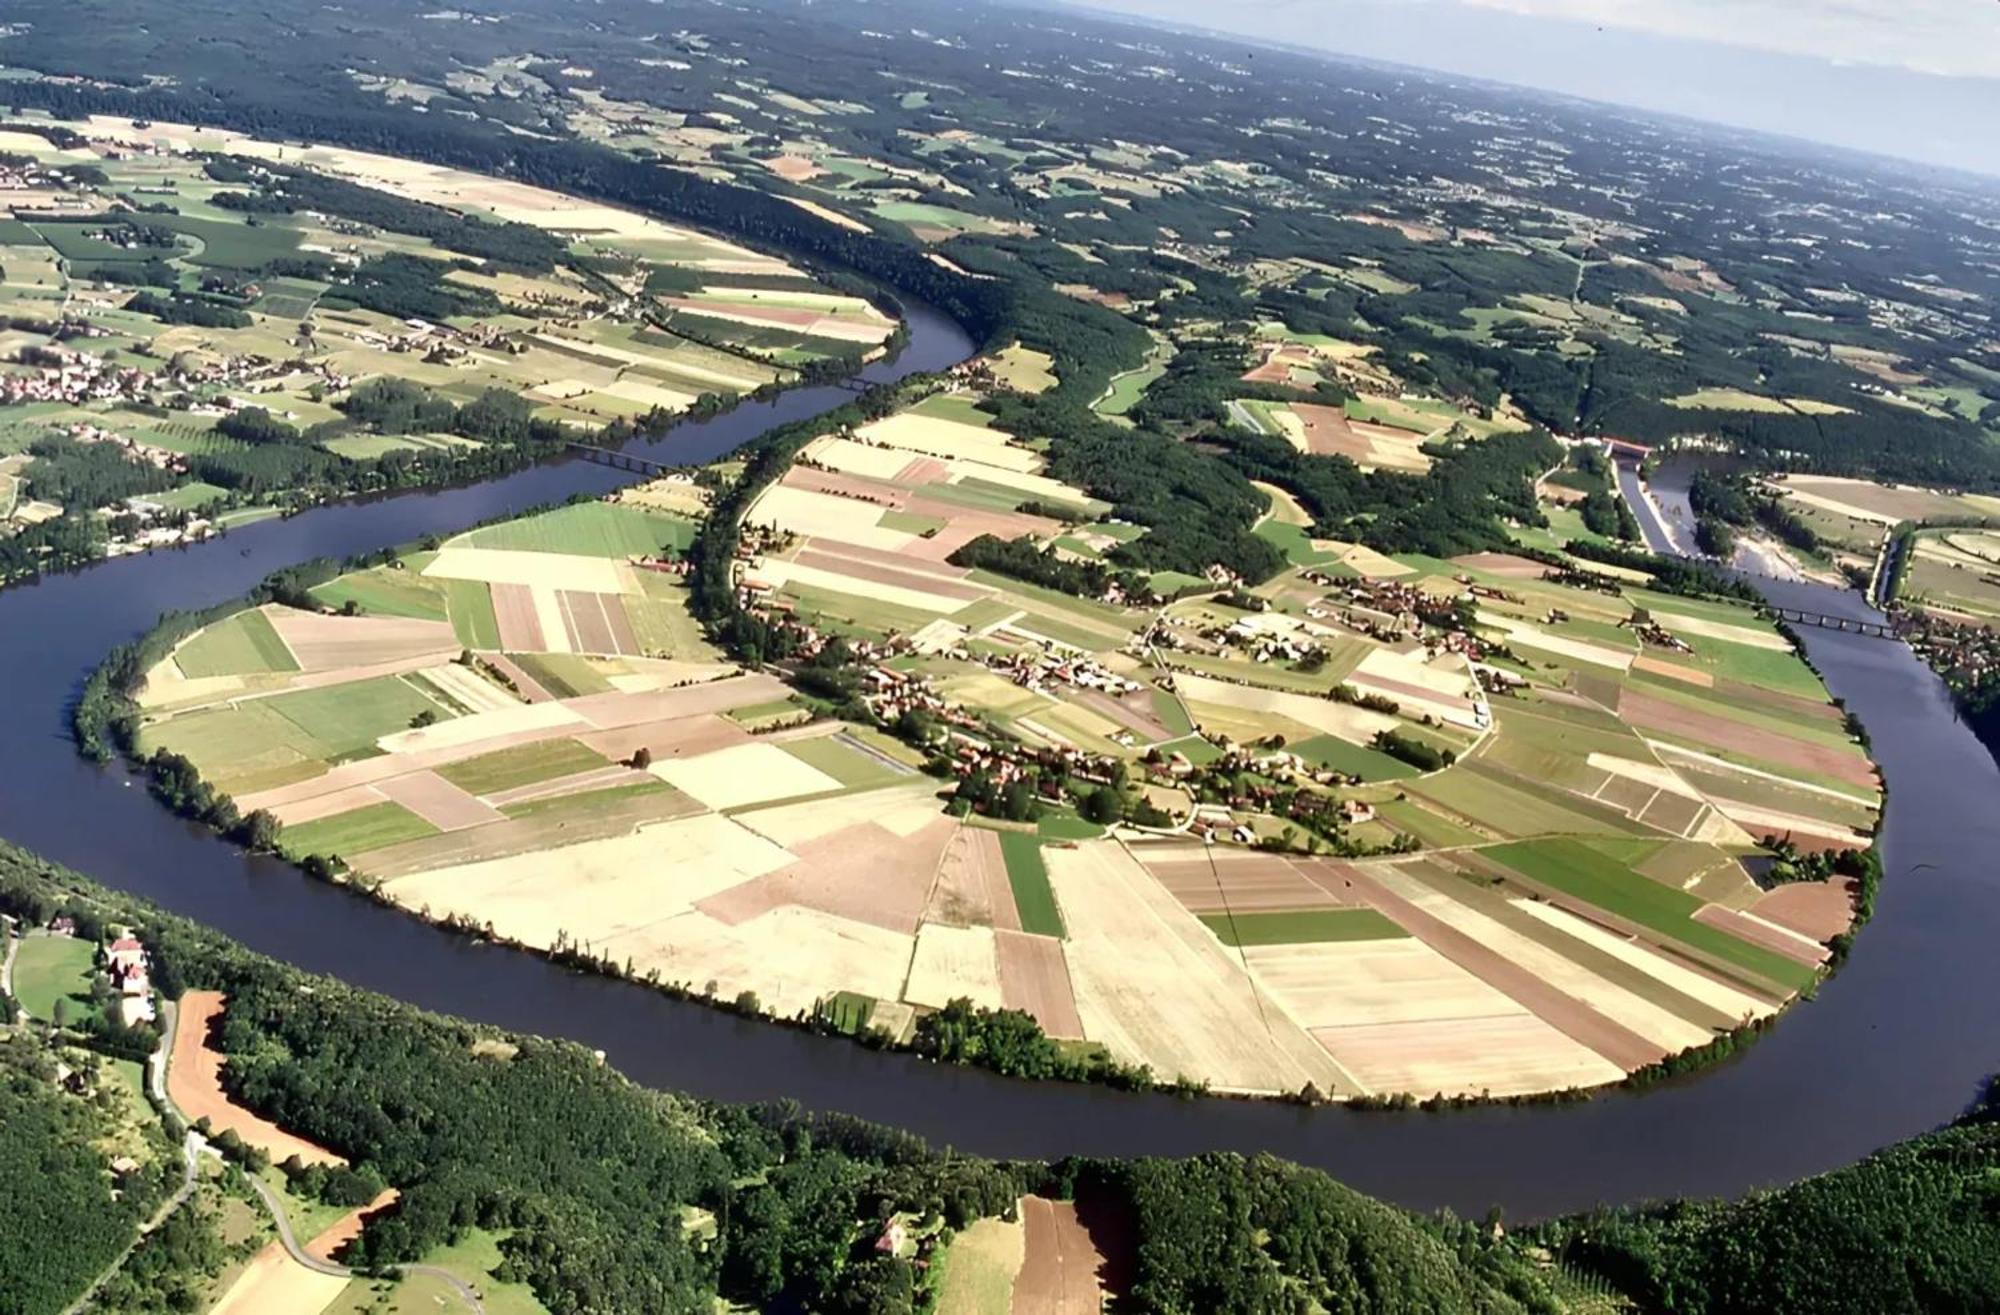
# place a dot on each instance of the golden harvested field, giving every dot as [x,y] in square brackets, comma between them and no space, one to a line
[1154,986]
[976,1273]
[1368,983]
[1023,369]
[949,438]
[746,775]
[435,184]
[1497,1056]
[1885,504]
[600,888]
[1344,721]
[274,1282]
[951,962]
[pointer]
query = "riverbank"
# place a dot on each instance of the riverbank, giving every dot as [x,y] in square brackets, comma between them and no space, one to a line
[1886,1051]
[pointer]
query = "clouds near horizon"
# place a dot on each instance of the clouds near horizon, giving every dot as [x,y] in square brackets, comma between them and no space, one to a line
[1954,38]
[1917,79]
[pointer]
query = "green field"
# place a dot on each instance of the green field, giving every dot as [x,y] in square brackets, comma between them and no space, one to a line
[910,522]
[589,803]
[1033,898]
[355,832]
[370,447]
[226,245]
[563,674]
[840,760]
[869,614]
[773,711]
[1576,869]
[73,242]
[345,720]
[524,764]
[1167,584]
[587,529]
[1434,831]
[1061,824]
[52,968]
[1512,806]
[1786,673]
[249,740]
[470,603]
[473,1260]
[308,1216]
[1171,714]
[386,591]
[1354,759]
[1303,927]
[660,619]
[1127,389]
[952,406]
[245,644]
[188,497]
[1292,541]
[932,216]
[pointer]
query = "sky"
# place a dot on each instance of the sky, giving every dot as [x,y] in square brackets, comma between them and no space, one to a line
[1918,79]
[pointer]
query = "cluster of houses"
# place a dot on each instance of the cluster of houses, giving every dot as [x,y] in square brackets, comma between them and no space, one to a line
[126,967]
[69,375]
[1039,672]
[1965,654]
[1652,633]
[442,343]
[125,963]
[75,377]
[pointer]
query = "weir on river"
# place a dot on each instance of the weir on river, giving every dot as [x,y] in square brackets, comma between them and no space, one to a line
[1896,1043]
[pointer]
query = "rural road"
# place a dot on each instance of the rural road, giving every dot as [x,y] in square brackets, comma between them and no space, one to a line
[301,1256]
[7,964]
[192,1147]
[156,1073]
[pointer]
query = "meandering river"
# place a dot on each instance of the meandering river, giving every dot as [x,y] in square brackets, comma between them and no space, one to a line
[1895,1044]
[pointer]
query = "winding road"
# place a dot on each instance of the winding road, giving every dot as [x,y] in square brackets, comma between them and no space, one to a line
[195,1147]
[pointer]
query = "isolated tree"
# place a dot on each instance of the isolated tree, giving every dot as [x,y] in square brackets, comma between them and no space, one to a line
[258,831]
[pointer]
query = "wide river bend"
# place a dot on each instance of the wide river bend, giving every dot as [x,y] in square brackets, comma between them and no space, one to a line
[1895,1044]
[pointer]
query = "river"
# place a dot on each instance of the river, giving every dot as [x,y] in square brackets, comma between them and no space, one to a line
[1895,1044]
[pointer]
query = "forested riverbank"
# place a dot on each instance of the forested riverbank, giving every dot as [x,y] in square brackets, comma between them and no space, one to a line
[591,1180]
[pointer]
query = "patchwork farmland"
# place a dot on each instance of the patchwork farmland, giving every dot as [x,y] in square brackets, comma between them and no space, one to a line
[239,320]
[1377,826]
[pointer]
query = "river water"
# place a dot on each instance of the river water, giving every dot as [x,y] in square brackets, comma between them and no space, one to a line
[1894,1045]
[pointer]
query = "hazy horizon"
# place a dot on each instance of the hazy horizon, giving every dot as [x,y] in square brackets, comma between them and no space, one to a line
[1918,80]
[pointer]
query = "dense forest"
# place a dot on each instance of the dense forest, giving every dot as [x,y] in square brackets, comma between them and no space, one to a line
[1915,1228]
[61,1225]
